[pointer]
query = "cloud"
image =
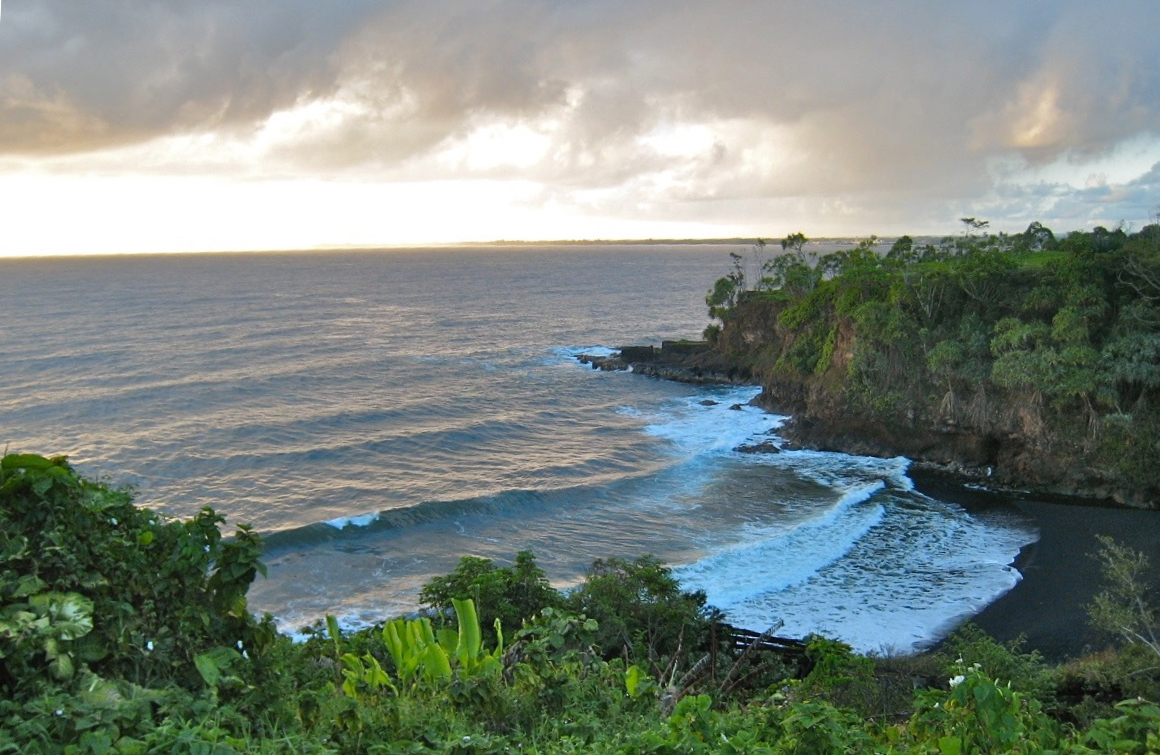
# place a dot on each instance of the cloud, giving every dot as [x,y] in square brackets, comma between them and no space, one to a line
[722,109]
[85,75]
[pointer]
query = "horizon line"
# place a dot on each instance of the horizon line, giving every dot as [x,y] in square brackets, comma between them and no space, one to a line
[324,248]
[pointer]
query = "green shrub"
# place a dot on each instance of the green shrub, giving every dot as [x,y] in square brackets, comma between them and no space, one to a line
[512,594]
[124,592]
[642,610]
[110,609]
[1026,671]
[981,715]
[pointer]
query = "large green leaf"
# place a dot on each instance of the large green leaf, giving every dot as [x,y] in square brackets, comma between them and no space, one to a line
[13,622]
[28,584]
[12,548]
[632,679]
[70,614]
[470,637]
[393,639]
[448,639]
[332,629]
[436,663]
[61,666]
[13,462]
[213,663]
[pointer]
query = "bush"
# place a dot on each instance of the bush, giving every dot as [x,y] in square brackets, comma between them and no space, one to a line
[642,610]
[90,582]
[513,594]
[1124,609]
[1026,672]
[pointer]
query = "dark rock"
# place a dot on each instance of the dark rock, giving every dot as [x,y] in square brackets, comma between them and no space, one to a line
[764,447]
[709,402]
[609,363]
[683,348]
[680,361]
[737,407]
[631,354]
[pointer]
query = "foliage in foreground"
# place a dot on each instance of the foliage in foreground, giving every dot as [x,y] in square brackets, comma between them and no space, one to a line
[123,632]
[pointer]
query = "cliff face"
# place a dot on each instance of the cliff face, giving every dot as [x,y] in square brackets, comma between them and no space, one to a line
[982,431]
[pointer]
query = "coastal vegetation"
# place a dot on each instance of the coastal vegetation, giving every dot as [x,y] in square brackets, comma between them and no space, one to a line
[124,631]
[1031,356]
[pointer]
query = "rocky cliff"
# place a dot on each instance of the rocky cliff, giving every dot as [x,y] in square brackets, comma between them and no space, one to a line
[999,438]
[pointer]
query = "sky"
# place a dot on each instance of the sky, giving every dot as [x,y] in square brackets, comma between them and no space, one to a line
[169,125]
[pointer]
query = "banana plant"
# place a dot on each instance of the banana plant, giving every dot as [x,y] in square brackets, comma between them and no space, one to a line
[469,652]
[364,671]
[414,649]
[419,652]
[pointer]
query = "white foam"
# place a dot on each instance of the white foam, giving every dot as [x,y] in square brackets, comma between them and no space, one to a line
[353,521]
[348,624]
[840,471]
[923,568]
[772,559]
[570,353]
[874,563]
[694,428]
[883,568]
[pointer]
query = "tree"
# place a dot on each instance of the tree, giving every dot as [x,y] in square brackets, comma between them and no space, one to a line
[794,242]
[902,250]
[985,275]
[722,297]
[1141,269]
[641,609]
[511,594]
[1037,237]
[790,271]
[1124,609]
[972,224]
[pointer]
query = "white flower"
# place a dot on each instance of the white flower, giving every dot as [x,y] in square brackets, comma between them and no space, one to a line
[114,521]
[245,655]
[239,644]
[466,740]
[957,680]
[59,712]
[149,646]
[206,549]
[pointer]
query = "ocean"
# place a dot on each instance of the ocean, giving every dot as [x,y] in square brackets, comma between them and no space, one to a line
[376,415]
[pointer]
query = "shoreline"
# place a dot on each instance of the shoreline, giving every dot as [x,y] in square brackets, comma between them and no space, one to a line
[818,421]
[1059,575]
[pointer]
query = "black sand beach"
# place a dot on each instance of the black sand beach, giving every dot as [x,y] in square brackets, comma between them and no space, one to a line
[1059,575]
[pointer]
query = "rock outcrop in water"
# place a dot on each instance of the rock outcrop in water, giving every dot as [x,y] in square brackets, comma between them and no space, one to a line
[682,361]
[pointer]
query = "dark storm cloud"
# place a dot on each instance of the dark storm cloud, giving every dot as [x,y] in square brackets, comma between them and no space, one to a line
[902,98]
[78,75]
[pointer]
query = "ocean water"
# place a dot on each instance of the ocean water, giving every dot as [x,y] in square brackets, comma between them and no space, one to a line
[377,415]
